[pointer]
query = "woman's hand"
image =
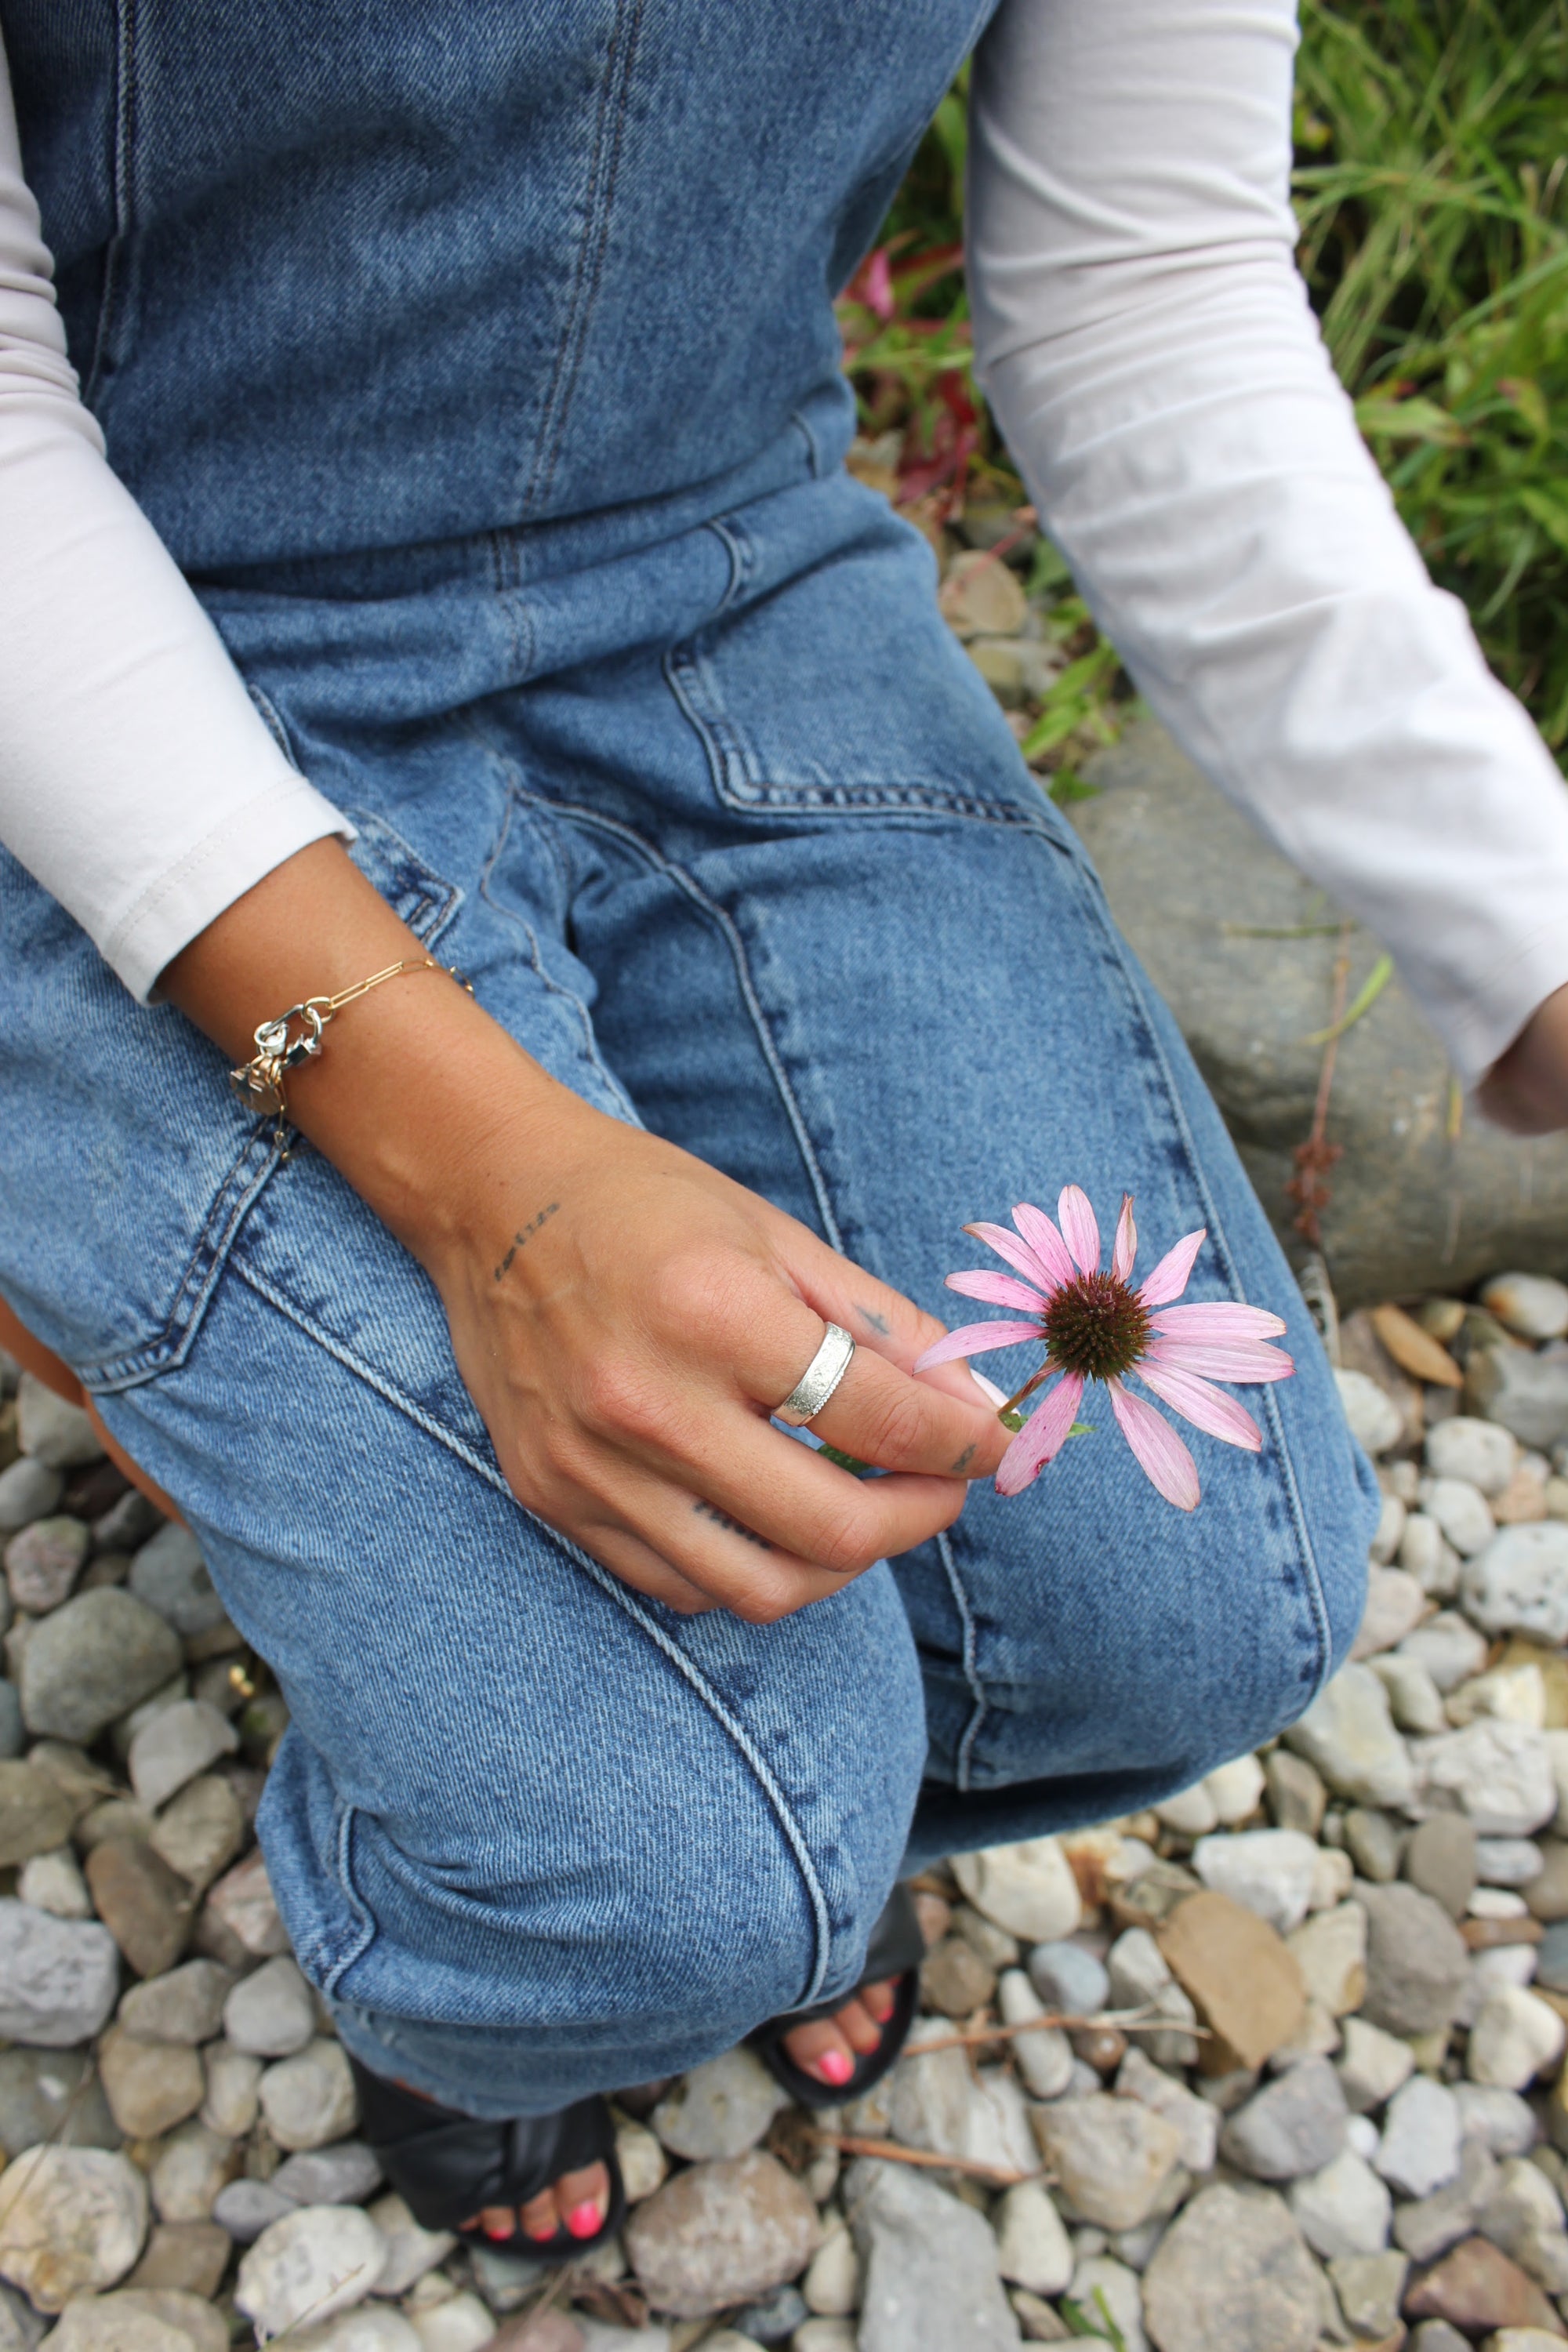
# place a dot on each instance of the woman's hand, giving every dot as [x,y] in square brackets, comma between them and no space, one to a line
[625,1317]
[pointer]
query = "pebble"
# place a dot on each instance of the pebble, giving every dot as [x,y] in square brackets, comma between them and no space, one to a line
[1476,2287]
[1269,1871]
[1431,2225]
[184,2005]
[200,1832]
[242,1904]
[1441,1859]
[1414,1699]
[133,2322]
[170,1575]
[1477,1451]
[1348,1735]
[411,2248]
[1418,1967]
[1419,2150]
[642,2161]
[1069,1979]
[191,2168]
[1113,2156]
[1190,1814]
[53,2096]
[189,2256]
[1395,1603]
[246,2208]
[931,2275]
[310,2099]
[1239,1974]
[13,1731]
[1523,1392]
[30,1490]
[233,2101]
[75,2220]
[1508,1862]
[1105,2289]
[1448,1647]
[378,2329]
[459,2324]
[1029,1889]
[35,1816]
[312,2262]
[1390,1520]
[1375,1843]
[1195,2121]
[1034,2249]
[1519,1584]
[719,2109]
[1426,1553]
[271,2013]
[1294,2125]
[1376,1421]
[831,2287]
[941,2104]
[1437,2336]
[151,2086]
[1232,2274]
[58,1978]
[1515,2037]
[954,1979]
[1371,2064]
[1501,1773]
[1137,1970]
[1547,1897]
[54,1883]
[93,1660]
[1532,1305]
[146,1906]
[1498,2120]
[176,1747]
[1297,1797]
[721,2233]
[1462,1516]
[56,1434]
[1331,1952]
[1344,2209]
[1236,1789]
[1369,2287]
[1045,2059]
[43,1562]
[344,2173]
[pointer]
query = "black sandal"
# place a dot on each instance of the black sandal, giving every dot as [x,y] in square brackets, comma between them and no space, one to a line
[447,2166]
[896,1949]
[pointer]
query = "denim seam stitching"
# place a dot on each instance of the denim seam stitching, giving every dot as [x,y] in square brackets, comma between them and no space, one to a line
[724,924]
[621,1595]
[235,1198]
[1269,1402]
[610,126]
[116,266]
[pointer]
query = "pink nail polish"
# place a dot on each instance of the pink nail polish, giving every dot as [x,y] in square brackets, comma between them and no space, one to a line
[835,2067]
[500,2236]
[583,2219]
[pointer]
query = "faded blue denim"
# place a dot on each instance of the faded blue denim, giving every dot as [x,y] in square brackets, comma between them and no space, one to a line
[650,723]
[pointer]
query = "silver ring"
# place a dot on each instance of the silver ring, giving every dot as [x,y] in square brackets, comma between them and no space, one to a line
[819,1380]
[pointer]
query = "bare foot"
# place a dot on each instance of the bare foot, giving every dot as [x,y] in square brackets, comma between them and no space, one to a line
[828,2050]
[575,2203]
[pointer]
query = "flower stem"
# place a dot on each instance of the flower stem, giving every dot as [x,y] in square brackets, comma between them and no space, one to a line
[1047,1368]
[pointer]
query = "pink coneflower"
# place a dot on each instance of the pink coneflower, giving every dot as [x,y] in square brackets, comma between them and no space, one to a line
[1096,1328]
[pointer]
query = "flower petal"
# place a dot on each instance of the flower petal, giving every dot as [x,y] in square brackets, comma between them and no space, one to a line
[1203,1405]
[997,1290]
[1224,1320]
[1126,1248]
[1079,1228]
[1169,1278]
[973,1339]
[1254,1360]
[1042,1437]
[1045,1242]
[988,1388]
[1161,1455]
[1019,1254]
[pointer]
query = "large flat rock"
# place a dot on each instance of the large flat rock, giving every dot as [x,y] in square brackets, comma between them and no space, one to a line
[1205,902]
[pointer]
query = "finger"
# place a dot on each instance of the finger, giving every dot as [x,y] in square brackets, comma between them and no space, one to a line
[717,1557]
[880,1415]
[875,1316]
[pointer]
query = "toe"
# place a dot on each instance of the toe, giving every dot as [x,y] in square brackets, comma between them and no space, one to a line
[880,2000]
[820,2051]
[582,2199]
[858,2027]
[538,2216]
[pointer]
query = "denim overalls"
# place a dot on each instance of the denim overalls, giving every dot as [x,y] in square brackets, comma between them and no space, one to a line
[476,359]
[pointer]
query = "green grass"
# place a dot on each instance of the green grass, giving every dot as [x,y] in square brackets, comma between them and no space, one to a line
[1432,152]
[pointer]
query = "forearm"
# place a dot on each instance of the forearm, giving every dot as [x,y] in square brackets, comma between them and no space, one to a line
[434,1115]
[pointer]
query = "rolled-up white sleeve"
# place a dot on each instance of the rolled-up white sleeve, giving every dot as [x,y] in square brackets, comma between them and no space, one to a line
[1146,340]
[138,784]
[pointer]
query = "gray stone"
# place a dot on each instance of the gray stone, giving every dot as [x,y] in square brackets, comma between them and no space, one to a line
[411,2250]
[1232,2274]
[176,1747]
[933,2103]
[315,2262]
[1375,1843]
[28,1490]
[43,1563]
[1447,1647]
[1532,1305]
[127,1523]
[774,2318]
[151,2086]
[1418,1969]
[1519,1584]
[1441,1859]
[1138,1969]
[75,2220]
[1508,1862]
[1105,2289]
[58,1978]
[34,1815]
[93,1660]
[271,2013]
[199,1832]
[1437,2336]
[1269,1871]
[1419,2150]
[193,2165]
[1515,2037]
[1498,2120]
[242,1904]
[932,2267]
[53,1882]
[721,2108]
[1295,2125]
[170,1576]
[1348,1735]
[1343,2209]
[21,2328]
[1297,1796]
[1195,2120]
[1369,2287]
[1414,1699]
[1460,1511]
[1112,2157]
[12,1732]
[1035,2250]
[1029,1889]
[1069,1979]
[378,2328]
[1500,1773]
[246,2208]
[1371,2065]
[1478,1452]
[233,2097]
[1429,2227]
[1376,1421]
[58,1434]
[721,2233]
[309,2100]
[346,2173]
[52,2096]
[1526,1393]
[1045,2059]
[136,2320]
[183,2005]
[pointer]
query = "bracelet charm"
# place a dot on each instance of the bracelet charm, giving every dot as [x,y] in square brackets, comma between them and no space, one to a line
[260,1082]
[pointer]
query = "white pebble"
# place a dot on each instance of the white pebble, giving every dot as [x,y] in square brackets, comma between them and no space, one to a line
[1414,1699]
[1508,1862]
[1532,1305]
[1374,1419]
[54,1883]
[1390,1528]
[1497,1902]
[1236,1789]
[1515,2038]
[1460,1512]
[1481,1451]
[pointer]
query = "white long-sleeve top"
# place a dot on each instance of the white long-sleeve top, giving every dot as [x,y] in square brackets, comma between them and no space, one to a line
[1147,343]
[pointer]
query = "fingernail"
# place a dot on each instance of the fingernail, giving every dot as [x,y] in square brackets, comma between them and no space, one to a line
[835,2067]
[583,2219]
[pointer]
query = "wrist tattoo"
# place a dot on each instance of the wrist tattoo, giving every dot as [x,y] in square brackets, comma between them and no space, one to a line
[521,1240]
[723,1519]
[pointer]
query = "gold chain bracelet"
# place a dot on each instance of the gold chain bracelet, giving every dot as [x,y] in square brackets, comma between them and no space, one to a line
[260,1082]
